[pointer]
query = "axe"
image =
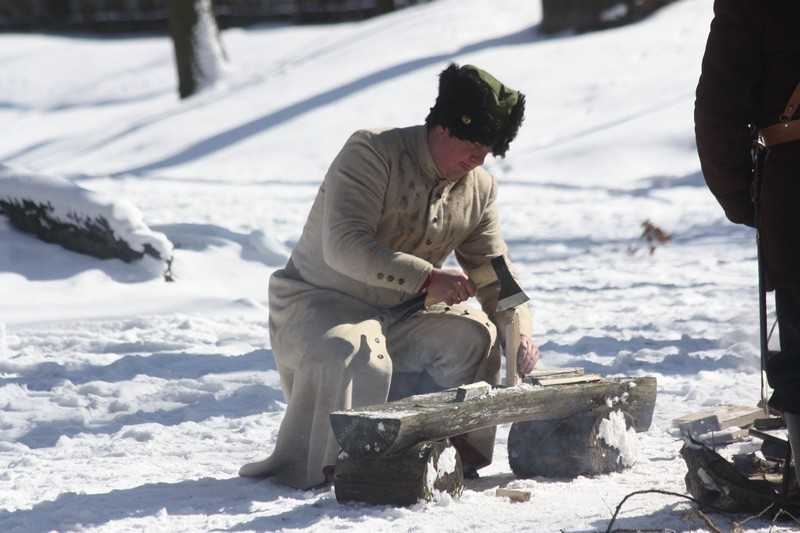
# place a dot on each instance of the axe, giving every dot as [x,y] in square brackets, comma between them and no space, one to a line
[510,296]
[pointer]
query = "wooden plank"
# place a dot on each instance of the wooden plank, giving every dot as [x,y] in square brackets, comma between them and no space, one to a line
[766,436]
[772,422]
[555,372]
[773,446]
[723,437]
[566,380]
[727,415]
[717,418]
[396,426]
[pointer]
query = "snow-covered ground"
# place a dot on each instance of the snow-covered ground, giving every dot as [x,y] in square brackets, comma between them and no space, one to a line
[129,403]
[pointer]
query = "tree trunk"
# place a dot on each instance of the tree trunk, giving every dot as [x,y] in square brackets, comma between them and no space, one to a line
[587,15]
[383,6]
[199,55]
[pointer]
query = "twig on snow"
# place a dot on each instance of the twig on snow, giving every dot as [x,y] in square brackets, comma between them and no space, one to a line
[656,491]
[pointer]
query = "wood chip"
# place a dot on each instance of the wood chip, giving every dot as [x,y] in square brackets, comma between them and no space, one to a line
[514,494]
[473,390]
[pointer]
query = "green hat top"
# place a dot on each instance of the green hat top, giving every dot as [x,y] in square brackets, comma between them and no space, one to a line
[503,99]
[476,106]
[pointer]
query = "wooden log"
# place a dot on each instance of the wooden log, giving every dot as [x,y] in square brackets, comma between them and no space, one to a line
[714,481]
[395,426]
[563,448]
[421,473]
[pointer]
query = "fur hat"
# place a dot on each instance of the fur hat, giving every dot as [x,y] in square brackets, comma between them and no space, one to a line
[475,106]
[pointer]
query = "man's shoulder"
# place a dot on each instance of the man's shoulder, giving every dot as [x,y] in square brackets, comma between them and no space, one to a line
[387,135]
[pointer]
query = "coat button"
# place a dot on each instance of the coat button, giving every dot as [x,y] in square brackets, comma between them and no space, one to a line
[429,242]
[389,278]
[380,275]
[401,281]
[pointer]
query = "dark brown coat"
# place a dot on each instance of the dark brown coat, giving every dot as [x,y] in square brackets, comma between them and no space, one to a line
[750,68]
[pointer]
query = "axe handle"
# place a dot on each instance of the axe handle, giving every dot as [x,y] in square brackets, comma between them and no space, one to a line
[512,347]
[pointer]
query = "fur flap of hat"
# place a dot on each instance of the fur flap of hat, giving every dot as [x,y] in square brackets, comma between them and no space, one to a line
[467,106]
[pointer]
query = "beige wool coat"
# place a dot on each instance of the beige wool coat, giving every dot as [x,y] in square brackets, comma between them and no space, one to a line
[382,219]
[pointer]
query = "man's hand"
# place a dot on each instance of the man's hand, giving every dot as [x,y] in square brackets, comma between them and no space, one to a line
[450,286]
[527,355]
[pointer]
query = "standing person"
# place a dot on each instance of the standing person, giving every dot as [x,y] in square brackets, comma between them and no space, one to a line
[392,208]
[750,81]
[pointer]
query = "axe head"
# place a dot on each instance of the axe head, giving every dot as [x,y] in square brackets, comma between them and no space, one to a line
[511,295]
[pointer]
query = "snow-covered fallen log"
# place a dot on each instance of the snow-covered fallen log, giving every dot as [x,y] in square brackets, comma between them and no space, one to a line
[60,212]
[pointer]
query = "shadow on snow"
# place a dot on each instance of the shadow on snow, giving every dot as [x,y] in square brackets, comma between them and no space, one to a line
[201,497]
[200,405]
[232,136]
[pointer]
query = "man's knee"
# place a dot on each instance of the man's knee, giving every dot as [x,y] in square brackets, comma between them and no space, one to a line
[465,351]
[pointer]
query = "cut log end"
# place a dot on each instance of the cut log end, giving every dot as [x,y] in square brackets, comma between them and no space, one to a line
[424,473]
[563,448]
[364,437]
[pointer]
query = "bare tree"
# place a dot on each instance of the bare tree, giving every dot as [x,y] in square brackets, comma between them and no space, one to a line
[199,55]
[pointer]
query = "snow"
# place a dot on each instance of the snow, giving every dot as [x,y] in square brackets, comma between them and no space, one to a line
[614,433]
[129,403]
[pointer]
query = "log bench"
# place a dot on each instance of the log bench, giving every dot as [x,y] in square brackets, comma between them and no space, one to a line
[399,452]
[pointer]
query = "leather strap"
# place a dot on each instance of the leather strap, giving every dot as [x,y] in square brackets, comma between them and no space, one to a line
[780,133]
[791,105]
[786,130]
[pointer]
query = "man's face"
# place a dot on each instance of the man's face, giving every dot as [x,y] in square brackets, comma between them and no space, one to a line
[453,157]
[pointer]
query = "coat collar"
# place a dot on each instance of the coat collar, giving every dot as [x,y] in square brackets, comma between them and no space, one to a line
[427,166]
